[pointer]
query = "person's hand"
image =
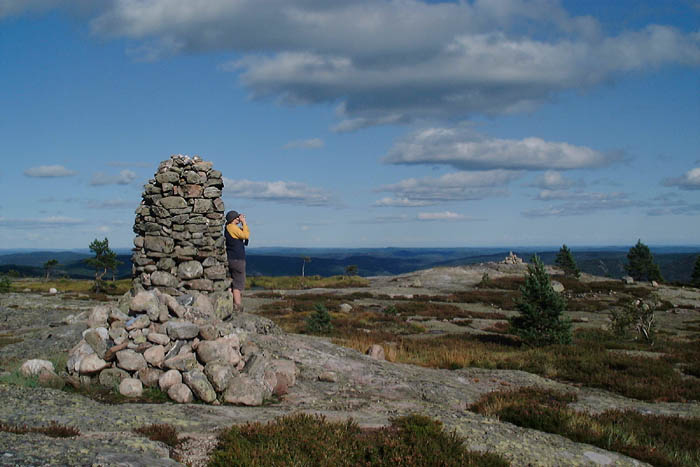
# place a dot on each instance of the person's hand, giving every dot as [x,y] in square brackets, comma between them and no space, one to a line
[242,218]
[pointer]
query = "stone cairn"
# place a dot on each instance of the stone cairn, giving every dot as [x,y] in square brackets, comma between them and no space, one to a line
[512,258]
[175,329]
[179,244]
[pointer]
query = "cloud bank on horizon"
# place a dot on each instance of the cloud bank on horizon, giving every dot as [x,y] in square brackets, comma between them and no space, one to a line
[470,107]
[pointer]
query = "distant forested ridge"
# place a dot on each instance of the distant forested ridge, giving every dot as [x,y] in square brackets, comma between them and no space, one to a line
[676,263]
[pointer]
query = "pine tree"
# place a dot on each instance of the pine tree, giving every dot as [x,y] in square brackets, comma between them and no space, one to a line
[695,278]
[49,266]
[565,260]
[104,260]
[641,264]
[540,321]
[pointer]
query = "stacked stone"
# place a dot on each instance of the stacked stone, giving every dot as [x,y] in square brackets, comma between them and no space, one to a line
[512,258]
[179,244]
[178,345]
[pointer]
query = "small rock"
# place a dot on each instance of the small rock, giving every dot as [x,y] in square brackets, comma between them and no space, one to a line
[169,379]
[112,351]
[49,379]
[208,332]
[145,301]
[179,329]
[189,270]
[131,387]
[202,305]
[176,308]
[244,391]
[219,374]
[92,364]
[199,384]
[157,338]
[654,284]
[628,280]
[116,314]
[557,286]
[328,377]
[118,335]
[345,307]
[111,377]
[184,362]
[53,291]
[130,360]
[218,350]
[34,367]
[95,339]
[376,352]
[155,355]
[150,376]
[180,393]
[98,317]
[140,322]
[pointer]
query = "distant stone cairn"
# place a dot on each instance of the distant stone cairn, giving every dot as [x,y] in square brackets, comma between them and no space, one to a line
[179,245]
[512,258]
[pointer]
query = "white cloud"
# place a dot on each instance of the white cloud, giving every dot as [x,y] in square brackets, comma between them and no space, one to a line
[47,171]
[40,222]
[123,178]
[485,57]
[441,216]
[313,143]
[688,181]
[581,203]
[279,191]
[401,203]
[461,148]
[552,180]
[457,186]
[553,195]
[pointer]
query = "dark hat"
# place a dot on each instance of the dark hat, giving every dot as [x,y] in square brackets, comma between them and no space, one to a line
[231,215]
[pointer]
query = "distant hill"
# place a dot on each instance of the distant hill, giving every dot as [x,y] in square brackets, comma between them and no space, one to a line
[676,263]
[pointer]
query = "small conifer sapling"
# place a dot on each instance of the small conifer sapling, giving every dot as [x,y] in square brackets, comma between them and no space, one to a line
[540,321]
[565,261]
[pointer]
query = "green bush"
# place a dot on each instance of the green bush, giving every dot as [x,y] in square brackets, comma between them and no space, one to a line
[540,321]
[635,316]
[304,439]
[319,322]
[5,284]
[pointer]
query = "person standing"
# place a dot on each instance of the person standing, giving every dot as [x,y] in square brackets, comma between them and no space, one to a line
[237,235]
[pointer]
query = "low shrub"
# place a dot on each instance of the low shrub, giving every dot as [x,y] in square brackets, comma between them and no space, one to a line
[319,322]
[165,433]
[636,317]
[657,439]
[304,439]
[53,429]
[5,284]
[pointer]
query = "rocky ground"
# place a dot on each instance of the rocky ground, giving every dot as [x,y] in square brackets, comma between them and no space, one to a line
[367,390]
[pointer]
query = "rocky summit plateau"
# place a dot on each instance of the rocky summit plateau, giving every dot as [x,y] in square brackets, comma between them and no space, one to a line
[294,371]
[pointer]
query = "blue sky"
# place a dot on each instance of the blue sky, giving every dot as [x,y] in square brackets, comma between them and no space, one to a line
[358,123]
